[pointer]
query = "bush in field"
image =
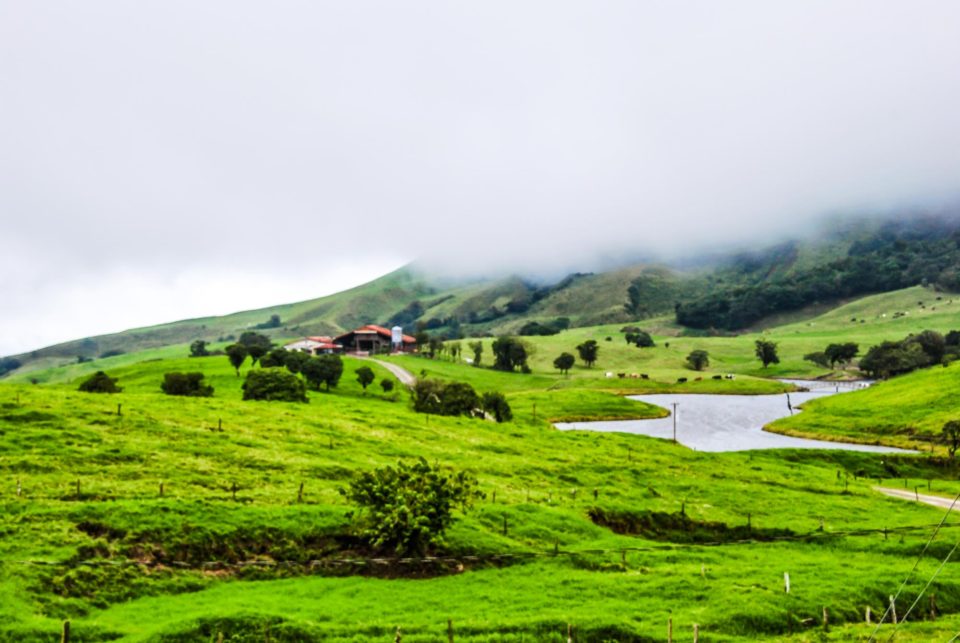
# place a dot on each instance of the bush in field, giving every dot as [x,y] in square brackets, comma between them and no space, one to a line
[819,358]
[588,352]
[766,352]
[564,363]
[841,353]
[99,382]
[406,509]
[275,358]
[495,404]
[237,354]
[365,376]
[295,360]
[190,384]
[698,360]
[444,398]
[257,344]
[199,349]
[275,385]
[386,384]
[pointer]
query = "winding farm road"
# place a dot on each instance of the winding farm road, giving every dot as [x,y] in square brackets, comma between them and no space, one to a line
[406,377]
[906,494]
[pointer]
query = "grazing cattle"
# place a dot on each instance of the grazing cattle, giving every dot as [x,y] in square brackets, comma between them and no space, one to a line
[621,375]
[698,379]
[718,377]
[681,380]
[609,374]
[729,376]
[633,376]
[644,376]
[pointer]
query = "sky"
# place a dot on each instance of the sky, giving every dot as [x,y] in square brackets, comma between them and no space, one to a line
[168,159]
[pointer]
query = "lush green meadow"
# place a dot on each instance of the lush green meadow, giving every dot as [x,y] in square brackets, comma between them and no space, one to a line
[228,546]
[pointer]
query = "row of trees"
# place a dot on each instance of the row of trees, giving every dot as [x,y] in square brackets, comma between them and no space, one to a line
[439,397]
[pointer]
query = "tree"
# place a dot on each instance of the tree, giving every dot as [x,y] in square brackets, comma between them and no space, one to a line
[588,352]
[323,369]
[454,348]
[509,353]
[477,348]
[643,339]
[273,322]
[295,360]
[698,360]
[8,364]
[405,510]
[893,358]
[564,363]
[276,358]
[237,353]
[273,384]
[422,338]
[819,358]
[188,384]
[932,343]
[841,353]
[257,345]
[951,436]
[386,384]
[766,352]
[199,349]
[444,398]
[434,346]
[99,382]
[365,376]
[495,404]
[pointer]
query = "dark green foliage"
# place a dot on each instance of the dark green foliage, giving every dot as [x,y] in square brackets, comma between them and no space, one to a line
[495,404]
[422,338]
[896,358]
[273,322]
[444,398]
[477,349]
[275,358]
[434,346]
[641,338]
[198,348]
[406,509]
[386,384]
[83,359]
[365,376]
[698,360]
[8,364]
[273,384]
[952,339]
[237,354]
[509,354]
[406,317]
[897,255]
[766,352]
[564,362]
[189,384]
[112,353]
[535,328]
[257,345]
[99,382]
[588,352]
[950,435]
[932,343]
[841,353]
[294,360]
[819,358]
[323,369]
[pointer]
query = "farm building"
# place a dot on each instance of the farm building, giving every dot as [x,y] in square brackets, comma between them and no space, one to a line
[315,345]
[376,339]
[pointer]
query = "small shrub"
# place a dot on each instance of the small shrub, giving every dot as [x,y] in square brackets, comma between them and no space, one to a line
[274,384]
[99,382]
[444,398]
[386,384]
[188,384]
[496,405]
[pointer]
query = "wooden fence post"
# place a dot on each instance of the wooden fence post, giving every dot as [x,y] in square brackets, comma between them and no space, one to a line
[504,525]
[233,489]
[300,493]
[65,636]
[449,630]
[219,424]
[78,488]
[494,496]
[696,633]
[669,630]
[826,620]
[399,637]
[933,607]
[786,582]
[19,488]
[569,633]
[161,490]
[867,616]
[893,610]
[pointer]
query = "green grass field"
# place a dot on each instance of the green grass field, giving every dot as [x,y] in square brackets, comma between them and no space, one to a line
[229,549]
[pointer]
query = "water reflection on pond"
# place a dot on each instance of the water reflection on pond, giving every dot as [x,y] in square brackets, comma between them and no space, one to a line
[729,422]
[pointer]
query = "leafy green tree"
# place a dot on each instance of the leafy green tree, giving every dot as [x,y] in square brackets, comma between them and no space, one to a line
[819,358]
[510,353]
[323,369]
[950,435]
[273,384]
[8,364]
[495,403]
[698,360]
[199,349]
[188,384]
[295,360]
[642,339]
[893,358]
[766,352]
[365,376]
[454,348]
[276,358]
[434,346]
[386,384]
[257,344]
[237,354]
[405,510]
[564,363]
[588,352]
[841,353]
[932,343]
[422,338]
[99,382]
[444,398]
[477,349]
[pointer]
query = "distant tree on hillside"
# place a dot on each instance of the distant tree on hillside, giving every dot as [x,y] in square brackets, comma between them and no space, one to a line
[819,358]
[187,384]
[273,384]
[477,349]
[766,352]
[365,376]
[295,360]
[273,322]
[99,382]
[932,343]
[323,369]
[495,404]
[698,360]
[386,384]
[454,348]
[199,349]
[257,345]
[422,338]
[275,358]
[951,437]
[509,354]
[8,364]
[564,363]
[841,353]
[237,354]
[588,351]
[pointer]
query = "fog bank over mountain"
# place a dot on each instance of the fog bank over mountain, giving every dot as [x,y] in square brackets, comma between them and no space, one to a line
[197,159]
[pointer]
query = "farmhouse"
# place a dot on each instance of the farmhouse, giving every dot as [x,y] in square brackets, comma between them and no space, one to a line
[376,339]
[315,345]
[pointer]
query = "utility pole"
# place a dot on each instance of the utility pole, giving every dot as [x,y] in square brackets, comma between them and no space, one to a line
[675,421]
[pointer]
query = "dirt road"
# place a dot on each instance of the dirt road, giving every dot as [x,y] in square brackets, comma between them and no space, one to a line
[907,494]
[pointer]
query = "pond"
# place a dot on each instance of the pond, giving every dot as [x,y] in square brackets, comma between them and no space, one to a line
[729,422]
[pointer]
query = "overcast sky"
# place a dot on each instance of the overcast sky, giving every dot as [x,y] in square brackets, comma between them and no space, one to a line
[164,159]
